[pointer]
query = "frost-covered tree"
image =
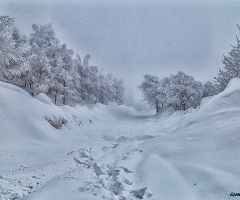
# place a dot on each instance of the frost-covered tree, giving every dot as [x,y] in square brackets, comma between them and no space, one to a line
[86,60]
[76,74]
[150,90]
[118,91]
[103,94]
[20,40]
[89,77]
[178,91]
[43,41]
[44,37]
[41,72]
[61,82]
[55,61]
[14,52]
[42,64]
[66,55]
[8,51]
[109,82]
[209,89]
[231,68]
[184,92]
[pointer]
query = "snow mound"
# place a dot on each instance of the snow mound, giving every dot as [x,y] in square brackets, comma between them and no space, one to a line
[44,98]
[228,99]
[6,87]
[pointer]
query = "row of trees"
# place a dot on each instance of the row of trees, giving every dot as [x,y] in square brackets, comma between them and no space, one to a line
[178,91]
[182,91]
[40,64]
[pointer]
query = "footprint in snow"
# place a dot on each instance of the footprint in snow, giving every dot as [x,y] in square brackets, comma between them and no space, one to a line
[108,180]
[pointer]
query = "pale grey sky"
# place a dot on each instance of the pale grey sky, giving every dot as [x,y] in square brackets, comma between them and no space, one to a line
[132,38]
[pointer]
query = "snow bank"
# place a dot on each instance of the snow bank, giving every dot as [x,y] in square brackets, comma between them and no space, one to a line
[44,98]
[228,99]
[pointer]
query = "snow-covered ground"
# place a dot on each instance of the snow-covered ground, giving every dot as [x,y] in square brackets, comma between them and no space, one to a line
[114,152]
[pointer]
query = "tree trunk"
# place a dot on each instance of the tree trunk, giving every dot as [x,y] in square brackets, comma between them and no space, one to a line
[64,93]
[31,88]
[56,96]
[157,107]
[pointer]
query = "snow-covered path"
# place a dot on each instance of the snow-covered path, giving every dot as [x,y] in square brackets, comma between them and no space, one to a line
[114,152]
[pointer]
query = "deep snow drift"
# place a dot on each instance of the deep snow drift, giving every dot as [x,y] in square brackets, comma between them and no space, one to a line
[114,152]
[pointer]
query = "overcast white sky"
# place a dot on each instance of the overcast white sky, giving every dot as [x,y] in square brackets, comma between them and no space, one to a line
[132,38]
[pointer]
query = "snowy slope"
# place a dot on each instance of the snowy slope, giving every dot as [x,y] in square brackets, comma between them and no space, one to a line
[115,152]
